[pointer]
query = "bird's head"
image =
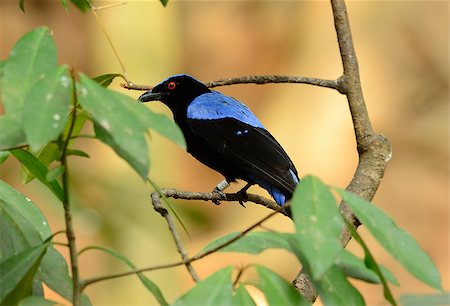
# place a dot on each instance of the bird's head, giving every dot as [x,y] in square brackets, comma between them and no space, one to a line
[177,91]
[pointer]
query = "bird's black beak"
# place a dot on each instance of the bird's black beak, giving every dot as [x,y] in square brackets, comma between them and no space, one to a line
[151,96]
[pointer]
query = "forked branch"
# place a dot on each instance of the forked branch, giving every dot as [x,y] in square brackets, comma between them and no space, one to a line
[373,149]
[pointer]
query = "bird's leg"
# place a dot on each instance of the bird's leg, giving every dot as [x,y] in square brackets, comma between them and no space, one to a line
[243,194]
[219,189]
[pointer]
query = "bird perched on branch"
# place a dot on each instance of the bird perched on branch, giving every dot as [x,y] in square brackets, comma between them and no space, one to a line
[225,135]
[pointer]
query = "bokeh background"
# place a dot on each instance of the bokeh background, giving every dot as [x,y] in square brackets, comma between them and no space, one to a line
[402,47]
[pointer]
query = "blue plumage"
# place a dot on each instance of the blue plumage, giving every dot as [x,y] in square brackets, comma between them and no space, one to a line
[225,135]
[215,105]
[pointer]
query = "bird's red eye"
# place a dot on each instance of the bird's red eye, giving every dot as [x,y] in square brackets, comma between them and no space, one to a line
[171,85]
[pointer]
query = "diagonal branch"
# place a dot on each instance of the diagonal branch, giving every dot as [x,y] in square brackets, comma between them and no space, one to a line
[157,205]
[196,257]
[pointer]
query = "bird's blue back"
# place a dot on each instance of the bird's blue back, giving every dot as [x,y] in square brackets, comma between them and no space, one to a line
[215,105]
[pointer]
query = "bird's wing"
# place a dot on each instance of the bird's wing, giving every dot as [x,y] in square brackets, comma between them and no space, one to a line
[251,150]
[215,105]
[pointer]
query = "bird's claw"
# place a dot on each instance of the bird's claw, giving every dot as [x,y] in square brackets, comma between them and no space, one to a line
[220,193]
[242,196]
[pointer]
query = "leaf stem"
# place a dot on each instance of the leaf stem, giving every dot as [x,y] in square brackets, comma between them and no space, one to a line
[70,233]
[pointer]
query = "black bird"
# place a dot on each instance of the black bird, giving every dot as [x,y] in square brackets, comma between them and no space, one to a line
[225,135]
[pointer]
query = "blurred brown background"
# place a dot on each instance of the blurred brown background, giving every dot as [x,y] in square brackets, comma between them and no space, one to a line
[402,49]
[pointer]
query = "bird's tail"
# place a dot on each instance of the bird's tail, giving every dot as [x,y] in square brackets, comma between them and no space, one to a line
[281,196]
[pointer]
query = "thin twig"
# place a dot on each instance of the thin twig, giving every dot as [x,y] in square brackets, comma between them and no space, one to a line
[70,233]
[61,244]
[93,280]
[157,205]
[239,275]
[255,79]
[266,79]
[22,146]
[227,197]
[374,150]
[108,38]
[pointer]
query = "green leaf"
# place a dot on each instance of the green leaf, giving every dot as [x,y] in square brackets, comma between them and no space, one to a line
[354,267]
[242,297]
[151,286]
[55,173]
[2,65]
[122,118]
[36,301]
[54,272]
[213,291]
[18,233]
[395,240]
[439,299]
[334,289]
[372,264]
[80,121]
[22,5]
[4,156]
[37,289]
[136,164]
[318,223]
[77,153]
[64,4]
[46,156]
[29,226]
[254,242]
[51,95]
[12,134]
[82,5]
[23,225]
[277,290]
[164,2]
[165,127]
[32,57]
[17,273]
[168,205]
[39,170]
[106,79]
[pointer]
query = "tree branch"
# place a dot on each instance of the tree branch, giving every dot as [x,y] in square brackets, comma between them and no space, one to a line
[374,150]
[228,197]
[255,79]
[196,257]
[158,206]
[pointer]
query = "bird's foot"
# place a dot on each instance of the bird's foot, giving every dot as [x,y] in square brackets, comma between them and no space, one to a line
[221,195]
[242,194]
[242,197]
[219,190]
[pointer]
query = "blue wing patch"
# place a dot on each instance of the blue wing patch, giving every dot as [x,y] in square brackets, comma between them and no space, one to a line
[214,105]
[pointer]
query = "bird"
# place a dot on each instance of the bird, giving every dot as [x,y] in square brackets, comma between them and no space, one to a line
[223,133]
